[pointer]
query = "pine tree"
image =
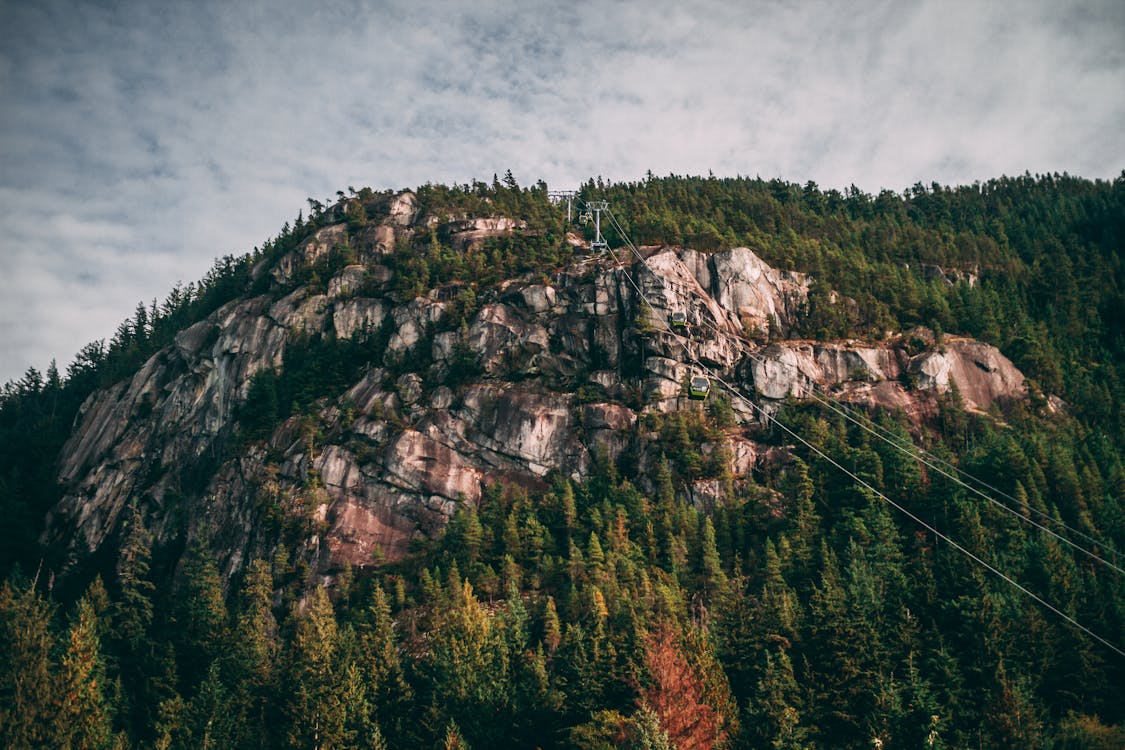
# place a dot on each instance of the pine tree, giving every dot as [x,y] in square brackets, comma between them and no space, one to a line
[27,691]
[468,668]
[552,629]
[453,740]
[473,538]
[360,730]
[738,637]
[676,694]
[201,615]
[252,657]
[902,471]
[170,727]
[131,616]
[82,719]
[646,732]
[1012,718]
[595,558]
[569,507]
[607,729]
[513,543]
[778,610]
[391,693]
[775,715]
[314,716]
[837,656]
[713,579]
[211,718]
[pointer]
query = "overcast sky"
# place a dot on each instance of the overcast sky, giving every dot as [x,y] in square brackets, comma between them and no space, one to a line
[140,140]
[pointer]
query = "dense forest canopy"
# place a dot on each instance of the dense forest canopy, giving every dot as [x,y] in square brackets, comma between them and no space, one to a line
[803,611]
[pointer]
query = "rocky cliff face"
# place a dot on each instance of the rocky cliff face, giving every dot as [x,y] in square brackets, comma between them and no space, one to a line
[887,375]
[542,376]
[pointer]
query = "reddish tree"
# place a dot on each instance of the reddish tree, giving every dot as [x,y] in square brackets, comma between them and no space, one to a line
[676,694]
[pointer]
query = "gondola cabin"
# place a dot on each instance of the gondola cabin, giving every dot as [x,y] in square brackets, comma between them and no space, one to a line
[679,319]
[699,388]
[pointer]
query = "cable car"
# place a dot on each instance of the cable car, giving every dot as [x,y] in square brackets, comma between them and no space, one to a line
[679,319]
[698,388]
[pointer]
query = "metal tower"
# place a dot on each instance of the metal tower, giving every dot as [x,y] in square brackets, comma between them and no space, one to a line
[594,210]
[558,196]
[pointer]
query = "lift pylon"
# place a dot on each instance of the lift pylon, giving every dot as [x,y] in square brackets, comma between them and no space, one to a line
[558,196]
[595,209]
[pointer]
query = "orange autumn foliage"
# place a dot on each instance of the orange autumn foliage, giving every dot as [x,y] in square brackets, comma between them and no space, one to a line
[676,694]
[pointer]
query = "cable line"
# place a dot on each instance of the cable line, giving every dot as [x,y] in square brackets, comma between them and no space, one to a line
[909,449]
[932,529]
[1015,512]
[935,464]
[767,418]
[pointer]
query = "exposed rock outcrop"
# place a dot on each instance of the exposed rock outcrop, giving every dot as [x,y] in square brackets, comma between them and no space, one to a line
[311,250]
[951,276]
[472,233]
[167,416]
[403,210]
[543,376]
[887,375]
[744,283]
[505,342]
[983,375]
[355,316]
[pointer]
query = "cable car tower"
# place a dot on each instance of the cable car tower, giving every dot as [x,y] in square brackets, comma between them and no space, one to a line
[558,196]
[594,211]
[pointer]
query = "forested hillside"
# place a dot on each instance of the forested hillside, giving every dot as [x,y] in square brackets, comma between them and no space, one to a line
[603,607]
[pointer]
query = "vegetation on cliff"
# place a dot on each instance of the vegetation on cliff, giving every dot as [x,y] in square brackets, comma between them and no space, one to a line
[799,611]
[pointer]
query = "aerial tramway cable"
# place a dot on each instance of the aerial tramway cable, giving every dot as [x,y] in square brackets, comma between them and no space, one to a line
[910,450]
[737,393]
[929,527]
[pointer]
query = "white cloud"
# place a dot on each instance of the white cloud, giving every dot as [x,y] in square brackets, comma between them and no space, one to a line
[139,141]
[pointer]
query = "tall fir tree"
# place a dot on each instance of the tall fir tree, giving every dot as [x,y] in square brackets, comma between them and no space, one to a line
[28,701]
[82,718]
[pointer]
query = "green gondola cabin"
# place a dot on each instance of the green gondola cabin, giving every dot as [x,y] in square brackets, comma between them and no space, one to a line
[699,388]
[679,319]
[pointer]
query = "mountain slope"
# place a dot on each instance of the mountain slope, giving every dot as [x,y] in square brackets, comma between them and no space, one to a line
[420,469]
[451,391]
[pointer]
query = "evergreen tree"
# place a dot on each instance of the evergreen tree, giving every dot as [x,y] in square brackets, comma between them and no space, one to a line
[200,615]
[552,629]
[131,616]
[28,699]
[453,739]
[713,579]
[1012,718]
[469,666]
[775,708]
[211,718]
[647,733]
[252,659]
[360,729]
[132,613]
[312,707]
[82,719]
[391,694]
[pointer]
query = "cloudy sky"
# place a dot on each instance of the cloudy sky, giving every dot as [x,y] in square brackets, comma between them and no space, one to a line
[140,140]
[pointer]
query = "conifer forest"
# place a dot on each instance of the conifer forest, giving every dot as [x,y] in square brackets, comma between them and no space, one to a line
[936,574]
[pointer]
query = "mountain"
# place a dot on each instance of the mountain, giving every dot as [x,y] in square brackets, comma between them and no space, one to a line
[453,390]
[769,464]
